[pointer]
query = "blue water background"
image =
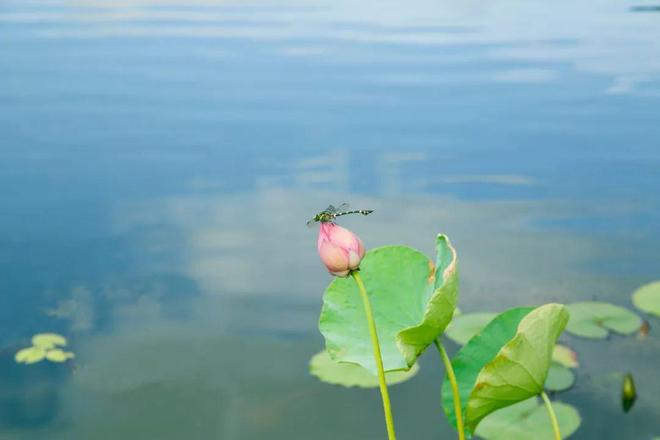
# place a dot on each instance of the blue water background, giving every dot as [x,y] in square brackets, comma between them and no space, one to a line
[159,159]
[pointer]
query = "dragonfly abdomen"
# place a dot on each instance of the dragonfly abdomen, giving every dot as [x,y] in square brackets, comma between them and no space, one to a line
[357,211]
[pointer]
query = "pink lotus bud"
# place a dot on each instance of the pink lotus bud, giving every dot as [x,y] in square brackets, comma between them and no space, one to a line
[340,250]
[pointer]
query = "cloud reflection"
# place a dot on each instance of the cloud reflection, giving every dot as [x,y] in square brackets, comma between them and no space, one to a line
[256,244]
[599,38]
[235,365]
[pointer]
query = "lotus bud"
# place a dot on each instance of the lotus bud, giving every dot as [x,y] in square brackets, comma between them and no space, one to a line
[340,250]
[628,393]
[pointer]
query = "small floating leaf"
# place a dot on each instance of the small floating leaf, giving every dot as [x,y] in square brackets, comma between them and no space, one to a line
[352,375]
[559,378]
[30,355]
[565,356]
[464,326]
[647,298]
[48,340]
[528,420]
[412,301]
[628,392]
[520,368]
[57,355]
[594,319]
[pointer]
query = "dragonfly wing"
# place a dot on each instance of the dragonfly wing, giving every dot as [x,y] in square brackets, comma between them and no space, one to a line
[311,223]
[342,207]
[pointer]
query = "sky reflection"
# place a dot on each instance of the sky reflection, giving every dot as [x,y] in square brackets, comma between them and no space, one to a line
[159,160]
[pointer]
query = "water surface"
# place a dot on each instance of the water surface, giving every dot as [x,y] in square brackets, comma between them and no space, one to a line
[159,160]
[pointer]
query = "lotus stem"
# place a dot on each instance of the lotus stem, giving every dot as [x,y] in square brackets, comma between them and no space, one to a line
[389,421]
[553,416]
[454,389]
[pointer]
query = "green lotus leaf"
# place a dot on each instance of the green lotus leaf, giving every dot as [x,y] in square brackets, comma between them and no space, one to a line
[647,298]
[352,375]
[57,355]
[563,355]
[464,326]
[593,319]
[30,355]
[479,350]
[412,303]
[559,378]
[520,368]
[528,420]
[48,340]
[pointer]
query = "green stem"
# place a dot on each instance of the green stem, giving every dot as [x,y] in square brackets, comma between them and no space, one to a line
[389,422]
[553,416]
[454,389]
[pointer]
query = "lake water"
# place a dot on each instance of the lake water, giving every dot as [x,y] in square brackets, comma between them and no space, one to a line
[159,160]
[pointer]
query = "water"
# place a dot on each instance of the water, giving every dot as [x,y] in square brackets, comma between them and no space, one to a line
[159,160]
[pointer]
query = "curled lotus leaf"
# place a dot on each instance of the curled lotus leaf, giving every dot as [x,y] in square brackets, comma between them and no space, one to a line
[479,350]
[506,362]
[412,299]
[520,368]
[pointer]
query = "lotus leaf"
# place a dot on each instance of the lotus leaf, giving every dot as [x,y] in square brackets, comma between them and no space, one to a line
[565,356]
[412,301]
[48,340]
[464,326]
[352,375]
[478,352]
[593,319]
[559,378]
[30,355]
[647,298]
[528,420]
[57,355]
[520,368]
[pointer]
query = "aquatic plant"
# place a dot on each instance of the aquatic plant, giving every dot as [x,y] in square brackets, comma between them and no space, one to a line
[409,303]
[628,392]
[388,305]
[44,346]
[647,298]
[340,250]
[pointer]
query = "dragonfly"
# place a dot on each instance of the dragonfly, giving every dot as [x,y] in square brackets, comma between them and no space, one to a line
[329,214]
